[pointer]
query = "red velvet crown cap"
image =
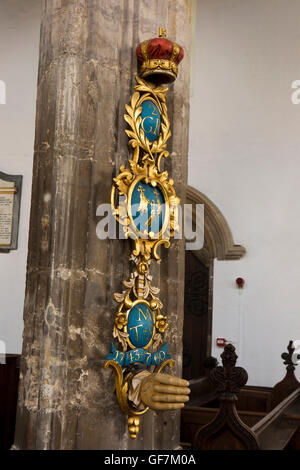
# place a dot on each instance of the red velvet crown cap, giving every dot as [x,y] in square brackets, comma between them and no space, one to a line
[159,48]
[159,58]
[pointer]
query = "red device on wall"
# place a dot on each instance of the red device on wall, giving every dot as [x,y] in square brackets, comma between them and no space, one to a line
[221,342]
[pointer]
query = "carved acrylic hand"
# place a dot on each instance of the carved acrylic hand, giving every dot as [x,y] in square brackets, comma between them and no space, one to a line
[164,392]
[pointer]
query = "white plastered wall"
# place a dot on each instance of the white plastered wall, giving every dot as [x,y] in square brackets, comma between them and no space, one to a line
[245,156]
[19,44]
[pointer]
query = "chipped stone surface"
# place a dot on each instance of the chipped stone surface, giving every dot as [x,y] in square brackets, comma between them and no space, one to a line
[86,76]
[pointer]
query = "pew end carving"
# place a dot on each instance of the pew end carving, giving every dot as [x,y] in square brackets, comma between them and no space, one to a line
[226,430]
[289,383]
[276,428]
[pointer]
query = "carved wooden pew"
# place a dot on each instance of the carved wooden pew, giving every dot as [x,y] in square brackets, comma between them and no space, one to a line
[278,427]
[202,388]
[282,424]
[226,430]
[289,383]
[9,380]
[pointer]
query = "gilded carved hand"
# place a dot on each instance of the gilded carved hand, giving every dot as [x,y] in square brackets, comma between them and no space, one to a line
[164,392]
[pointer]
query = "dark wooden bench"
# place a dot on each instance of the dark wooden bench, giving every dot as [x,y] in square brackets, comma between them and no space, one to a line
[9,380]
[248,417]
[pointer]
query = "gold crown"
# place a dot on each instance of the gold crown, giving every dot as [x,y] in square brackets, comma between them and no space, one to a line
[159,58]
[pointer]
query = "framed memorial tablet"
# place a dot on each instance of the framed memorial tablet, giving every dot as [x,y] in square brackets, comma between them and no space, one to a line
[10,198]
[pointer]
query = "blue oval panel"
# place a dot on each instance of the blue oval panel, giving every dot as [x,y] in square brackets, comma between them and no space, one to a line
[147,208]
[140,325]
[151,121]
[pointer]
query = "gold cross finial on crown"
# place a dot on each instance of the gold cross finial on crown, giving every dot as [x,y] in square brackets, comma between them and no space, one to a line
[162,32]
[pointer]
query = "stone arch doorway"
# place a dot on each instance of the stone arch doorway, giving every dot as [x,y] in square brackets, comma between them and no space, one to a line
[198,297]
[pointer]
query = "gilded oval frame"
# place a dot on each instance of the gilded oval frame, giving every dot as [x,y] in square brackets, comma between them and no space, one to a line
[141,301]
[166,220]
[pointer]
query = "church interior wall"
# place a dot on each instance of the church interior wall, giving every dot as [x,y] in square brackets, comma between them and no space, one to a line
[244,156]
[19,43]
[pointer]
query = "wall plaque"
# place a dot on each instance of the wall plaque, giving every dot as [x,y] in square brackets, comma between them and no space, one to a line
[144,202]
[10,197]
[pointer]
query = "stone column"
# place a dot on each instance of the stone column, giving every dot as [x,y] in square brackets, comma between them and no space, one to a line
[87,68]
